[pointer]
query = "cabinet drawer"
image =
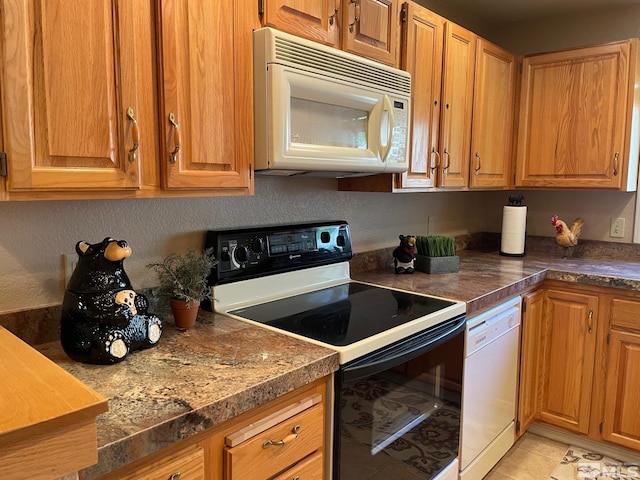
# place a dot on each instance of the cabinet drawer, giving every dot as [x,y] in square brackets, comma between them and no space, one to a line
[625,314]
[187,464]
[255,459]
[308,469]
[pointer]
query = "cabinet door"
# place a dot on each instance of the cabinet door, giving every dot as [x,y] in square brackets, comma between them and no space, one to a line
[568,359]
[492,127]
[422,57]
[573,118]
[206,94]
[457,104]
[530,346]
[621,419]
[371,28]
[312,19]
[68,80]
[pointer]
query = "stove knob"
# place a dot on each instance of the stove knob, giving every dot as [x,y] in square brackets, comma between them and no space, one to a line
[241,254]
[257,245]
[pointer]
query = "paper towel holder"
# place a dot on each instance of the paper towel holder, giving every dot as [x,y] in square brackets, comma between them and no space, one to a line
[514,225]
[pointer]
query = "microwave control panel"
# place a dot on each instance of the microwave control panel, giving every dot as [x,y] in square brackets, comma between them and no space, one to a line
[398,153]
[247,253]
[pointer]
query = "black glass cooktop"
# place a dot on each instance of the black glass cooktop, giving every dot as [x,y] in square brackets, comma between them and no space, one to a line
[343,314]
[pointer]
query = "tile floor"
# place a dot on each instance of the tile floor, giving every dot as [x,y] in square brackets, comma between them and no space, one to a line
[531,458]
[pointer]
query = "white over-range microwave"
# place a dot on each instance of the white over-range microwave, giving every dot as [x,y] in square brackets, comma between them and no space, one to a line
[320,111]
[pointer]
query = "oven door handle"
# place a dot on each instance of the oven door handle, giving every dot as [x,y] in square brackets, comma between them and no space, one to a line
[402,353]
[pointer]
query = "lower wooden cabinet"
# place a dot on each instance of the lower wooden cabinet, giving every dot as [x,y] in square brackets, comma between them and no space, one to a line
[248,447]
[569,341]
[580,361]
[186,464]
[621,423]
[269,451]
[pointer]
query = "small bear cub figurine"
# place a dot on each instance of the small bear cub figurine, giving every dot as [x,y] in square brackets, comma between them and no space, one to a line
[103,318]
[404,255]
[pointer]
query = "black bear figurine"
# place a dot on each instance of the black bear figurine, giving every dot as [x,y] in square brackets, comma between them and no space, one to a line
[404,255]
[103,318]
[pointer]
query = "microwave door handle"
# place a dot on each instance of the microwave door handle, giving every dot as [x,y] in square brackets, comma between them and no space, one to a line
[386,127]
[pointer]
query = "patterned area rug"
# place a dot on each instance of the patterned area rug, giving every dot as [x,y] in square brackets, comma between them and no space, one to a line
[396,418]
[579,463]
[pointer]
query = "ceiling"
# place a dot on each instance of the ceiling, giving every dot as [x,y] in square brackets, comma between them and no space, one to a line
[502,12]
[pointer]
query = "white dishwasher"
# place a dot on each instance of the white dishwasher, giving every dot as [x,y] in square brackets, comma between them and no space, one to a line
[489,388]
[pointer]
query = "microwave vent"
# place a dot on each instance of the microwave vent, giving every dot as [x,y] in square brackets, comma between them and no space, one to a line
[339,65]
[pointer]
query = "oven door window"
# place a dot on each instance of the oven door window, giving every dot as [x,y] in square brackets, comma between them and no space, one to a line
[403,420]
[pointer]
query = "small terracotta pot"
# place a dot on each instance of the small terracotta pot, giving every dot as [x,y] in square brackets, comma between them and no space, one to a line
[184,313]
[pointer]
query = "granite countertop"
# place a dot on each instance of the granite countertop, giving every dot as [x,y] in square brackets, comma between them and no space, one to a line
[486,278]
[223,367]
[191,381]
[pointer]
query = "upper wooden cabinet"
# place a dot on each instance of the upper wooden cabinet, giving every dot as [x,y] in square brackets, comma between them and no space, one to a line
[65,99]
[440,56]
[312,19]
[493,111]
[576,118]
[206,93]
[80,111]
[462,95]
[370,28]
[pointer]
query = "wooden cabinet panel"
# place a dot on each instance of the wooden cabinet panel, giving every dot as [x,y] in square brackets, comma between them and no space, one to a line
[492,127]
[206,94]
[621,414]
[65,115]
[574,112]
[187,464]
[422,57]
[568,359]
[371,28]
[312,19]
[530,348]
[457,104]
[310,468]
[252,459]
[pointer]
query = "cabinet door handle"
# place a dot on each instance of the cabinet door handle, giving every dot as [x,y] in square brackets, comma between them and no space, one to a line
[590,325]
[175,476]
[444,169]
[356,18]
[332,18]
[437,164]
[176,138]
[475,170]
[616,157]
[135,135]
[279,443]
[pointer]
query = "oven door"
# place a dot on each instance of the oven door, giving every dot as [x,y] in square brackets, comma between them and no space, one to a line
[397,410]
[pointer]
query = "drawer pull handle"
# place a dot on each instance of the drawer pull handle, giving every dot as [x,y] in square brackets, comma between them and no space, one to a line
[175,476]
[176,137]
[135,135]
[279,443]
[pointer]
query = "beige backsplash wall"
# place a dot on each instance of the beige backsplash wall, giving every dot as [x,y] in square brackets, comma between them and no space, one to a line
[34,235]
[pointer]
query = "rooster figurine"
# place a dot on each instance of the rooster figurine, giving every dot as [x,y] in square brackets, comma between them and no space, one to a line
[567,237]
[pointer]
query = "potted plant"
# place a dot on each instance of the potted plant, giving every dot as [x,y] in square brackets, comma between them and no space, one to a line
[436,254]
[183,282]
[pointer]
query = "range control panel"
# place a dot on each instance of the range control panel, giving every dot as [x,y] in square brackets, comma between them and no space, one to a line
[260,251]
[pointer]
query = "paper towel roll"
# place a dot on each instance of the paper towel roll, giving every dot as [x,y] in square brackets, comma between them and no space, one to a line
[514,230]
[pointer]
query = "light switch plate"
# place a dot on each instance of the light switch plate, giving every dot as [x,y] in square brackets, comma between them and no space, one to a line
[617,228]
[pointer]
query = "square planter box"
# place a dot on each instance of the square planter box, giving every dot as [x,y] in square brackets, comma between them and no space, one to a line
[437,264]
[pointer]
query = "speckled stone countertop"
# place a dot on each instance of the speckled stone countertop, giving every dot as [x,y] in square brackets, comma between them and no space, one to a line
[189,382]
[486,278]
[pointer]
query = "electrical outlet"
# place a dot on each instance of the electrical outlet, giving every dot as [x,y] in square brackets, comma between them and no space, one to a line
[617,228]
[69,261]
